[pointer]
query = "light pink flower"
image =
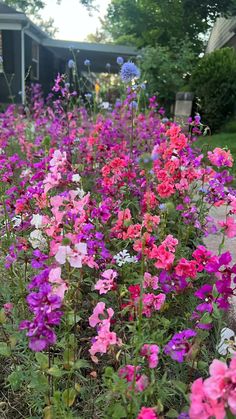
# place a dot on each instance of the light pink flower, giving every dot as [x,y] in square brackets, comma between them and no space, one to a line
[98,311]
[107,282]
[74,257]
[60,286]
[229,227]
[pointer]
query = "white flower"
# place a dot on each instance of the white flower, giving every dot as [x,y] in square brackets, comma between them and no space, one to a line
[228,342]
[76,178]
[37,240]
[80,193]
[124,257]
[37,221]
[16,221]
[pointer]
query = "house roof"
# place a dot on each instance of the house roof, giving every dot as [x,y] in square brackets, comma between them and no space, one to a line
[98,54]
[4,9]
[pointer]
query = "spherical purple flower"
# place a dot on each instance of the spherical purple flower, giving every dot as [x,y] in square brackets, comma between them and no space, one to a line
[108,66]
[179,346]
[129,71]
[87,63]
[71,64]
[120,60]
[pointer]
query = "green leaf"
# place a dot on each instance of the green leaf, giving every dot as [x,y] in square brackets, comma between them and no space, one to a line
[206,318]
[172,413]
[55,371]
[179,385]
[81,363]
[4,349]
[42,360]
[16,379]
[69,396]
[119,411]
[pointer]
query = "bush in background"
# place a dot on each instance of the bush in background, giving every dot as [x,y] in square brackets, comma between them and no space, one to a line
[214,83]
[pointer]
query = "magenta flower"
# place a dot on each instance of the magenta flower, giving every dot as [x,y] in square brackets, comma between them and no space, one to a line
[147,413]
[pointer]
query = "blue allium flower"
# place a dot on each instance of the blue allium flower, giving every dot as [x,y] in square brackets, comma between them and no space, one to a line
[71,64]
[87,62]
[143,86]
[88,96]
[108,66]
[133,104]
[129,71]
[120,60]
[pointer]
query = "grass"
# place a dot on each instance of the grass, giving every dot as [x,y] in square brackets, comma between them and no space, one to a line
[222,140]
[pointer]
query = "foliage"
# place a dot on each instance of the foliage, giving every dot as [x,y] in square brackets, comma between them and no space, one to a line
[148,22]
[106,288]
[214,82]
[167,69]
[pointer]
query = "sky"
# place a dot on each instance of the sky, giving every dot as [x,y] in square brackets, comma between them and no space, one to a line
[72,19]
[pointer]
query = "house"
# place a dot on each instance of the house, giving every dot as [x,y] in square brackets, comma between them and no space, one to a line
[223,34]
[29,55]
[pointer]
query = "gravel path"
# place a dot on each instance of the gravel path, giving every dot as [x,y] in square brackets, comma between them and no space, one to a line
[212,242]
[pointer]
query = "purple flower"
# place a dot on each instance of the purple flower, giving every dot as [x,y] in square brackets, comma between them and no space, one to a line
[129,71]
[87,63]
[205,293]
[179,346]
[120,60]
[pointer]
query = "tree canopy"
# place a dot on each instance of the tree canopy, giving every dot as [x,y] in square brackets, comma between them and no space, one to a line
[151,22]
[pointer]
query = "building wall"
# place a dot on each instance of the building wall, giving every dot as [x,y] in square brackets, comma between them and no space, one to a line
[12,66]
[48,66]
[221,34]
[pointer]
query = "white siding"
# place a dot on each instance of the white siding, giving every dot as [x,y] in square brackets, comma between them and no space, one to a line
[222,32]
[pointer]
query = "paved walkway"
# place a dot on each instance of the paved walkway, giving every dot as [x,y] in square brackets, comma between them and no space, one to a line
[212,242]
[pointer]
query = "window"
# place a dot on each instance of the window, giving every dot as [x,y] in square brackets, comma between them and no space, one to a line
[35,60]
[1,53]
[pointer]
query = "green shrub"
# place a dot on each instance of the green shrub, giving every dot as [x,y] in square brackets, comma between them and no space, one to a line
[230,126]
[214,83]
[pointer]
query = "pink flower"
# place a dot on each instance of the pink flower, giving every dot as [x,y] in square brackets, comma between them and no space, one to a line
[129,373]
[147,413]
[221,385]
[74,257]
[150,281]
[229,227]
[186,268]
[151,354]
[211,398]
[60,286]
[220,157]
[104,339]
[152,302]
[170,242]
[164,258]
[98,311]
[107,283]
[150,221]
[165,189]
[78,255]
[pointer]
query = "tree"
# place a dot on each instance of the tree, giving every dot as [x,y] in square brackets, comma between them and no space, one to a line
[151,22]
[167,70]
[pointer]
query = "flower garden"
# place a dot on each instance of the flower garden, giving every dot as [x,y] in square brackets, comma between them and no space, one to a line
[111,305]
